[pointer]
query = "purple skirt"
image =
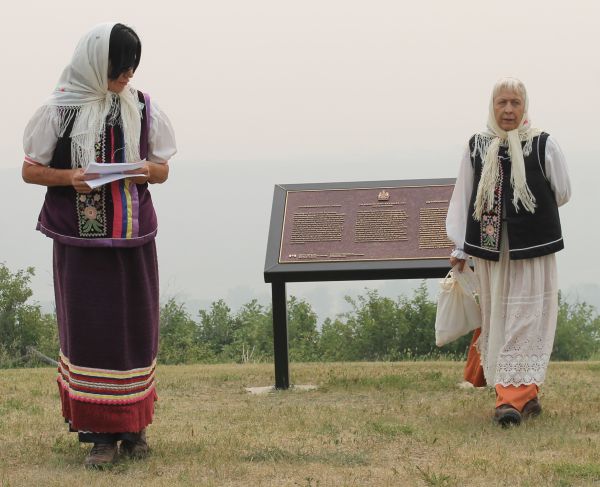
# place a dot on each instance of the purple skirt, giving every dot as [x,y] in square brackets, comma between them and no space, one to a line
[107,309]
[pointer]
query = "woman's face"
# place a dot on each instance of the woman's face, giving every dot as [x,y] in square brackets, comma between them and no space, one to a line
[509,108]
[119,84]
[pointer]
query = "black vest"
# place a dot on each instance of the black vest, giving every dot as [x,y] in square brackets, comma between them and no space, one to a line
[529,234]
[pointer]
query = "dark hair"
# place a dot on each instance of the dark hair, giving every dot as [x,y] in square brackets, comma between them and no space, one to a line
[124,50]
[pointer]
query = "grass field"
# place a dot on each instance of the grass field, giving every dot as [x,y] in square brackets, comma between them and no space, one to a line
[381,424]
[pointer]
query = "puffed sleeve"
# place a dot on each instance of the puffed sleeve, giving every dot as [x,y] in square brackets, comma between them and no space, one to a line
[40,136]
[161,140]
[456,220]
[556,172]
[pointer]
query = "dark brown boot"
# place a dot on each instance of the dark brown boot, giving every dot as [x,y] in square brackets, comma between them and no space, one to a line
[136,449]
[102,455]
[532,409]
[506,416]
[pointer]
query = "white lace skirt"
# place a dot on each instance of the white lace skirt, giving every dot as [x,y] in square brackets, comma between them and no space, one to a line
[519,303]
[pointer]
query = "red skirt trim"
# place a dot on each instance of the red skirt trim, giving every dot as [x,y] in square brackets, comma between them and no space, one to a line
[104,418]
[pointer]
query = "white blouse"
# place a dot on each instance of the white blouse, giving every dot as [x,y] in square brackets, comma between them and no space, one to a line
[456,221]
[41,135]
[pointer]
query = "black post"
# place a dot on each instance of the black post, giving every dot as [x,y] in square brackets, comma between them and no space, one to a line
[280,335]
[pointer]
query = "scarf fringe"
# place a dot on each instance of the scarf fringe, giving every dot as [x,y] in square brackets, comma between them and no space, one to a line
[90,120]
[65,115]
[487,145]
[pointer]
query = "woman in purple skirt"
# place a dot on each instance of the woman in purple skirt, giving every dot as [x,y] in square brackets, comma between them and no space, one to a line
[105,267]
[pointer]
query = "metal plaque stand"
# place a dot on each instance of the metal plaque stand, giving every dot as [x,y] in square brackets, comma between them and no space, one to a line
[278,274]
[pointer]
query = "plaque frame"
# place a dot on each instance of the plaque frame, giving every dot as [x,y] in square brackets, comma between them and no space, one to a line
[278,274]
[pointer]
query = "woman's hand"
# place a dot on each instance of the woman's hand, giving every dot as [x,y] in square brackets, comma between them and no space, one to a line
[139,176]
[79,178]
[150,172]
[460,262]
[50,176]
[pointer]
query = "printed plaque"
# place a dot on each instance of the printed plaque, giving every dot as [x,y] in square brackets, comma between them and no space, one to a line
[353,231]
[366,224]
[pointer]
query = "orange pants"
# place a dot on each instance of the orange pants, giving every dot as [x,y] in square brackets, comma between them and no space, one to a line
[473,368]
[516,396]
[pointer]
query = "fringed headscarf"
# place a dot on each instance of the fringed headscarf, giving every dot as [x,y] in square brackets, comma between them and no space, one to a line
[82,94]
[487,144]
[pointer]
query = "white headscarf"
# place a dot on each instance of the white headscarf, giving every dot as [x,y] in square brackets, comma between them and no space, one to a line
[82,92]
[488,142]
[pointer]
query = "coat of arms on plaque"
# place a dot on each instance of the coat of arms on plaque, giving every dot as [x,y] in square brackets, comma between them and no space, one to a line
[383,195]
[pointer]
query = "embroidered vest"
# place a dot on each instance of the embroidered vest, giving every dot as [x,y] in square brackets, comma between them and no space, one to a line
[118,214]
[529,234]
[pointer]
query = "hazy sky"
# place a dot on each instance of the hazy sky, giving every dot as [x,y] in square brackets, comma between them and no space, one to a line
[265,92]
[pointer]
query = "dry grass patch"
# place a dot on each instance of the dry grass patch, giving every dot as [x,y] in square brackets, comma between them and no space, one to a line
[378,424]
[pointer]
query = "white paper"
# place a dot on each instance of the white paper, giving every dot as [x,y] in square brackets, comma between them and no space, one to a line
[110,172]
[114,168]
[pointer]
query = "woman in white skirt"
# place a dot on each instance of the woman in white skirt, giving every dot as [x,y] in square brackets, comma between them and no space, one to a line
[504,213]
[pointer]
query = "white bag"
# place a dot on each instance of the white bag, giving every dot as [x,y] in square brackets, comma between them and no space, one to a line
[458,312]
